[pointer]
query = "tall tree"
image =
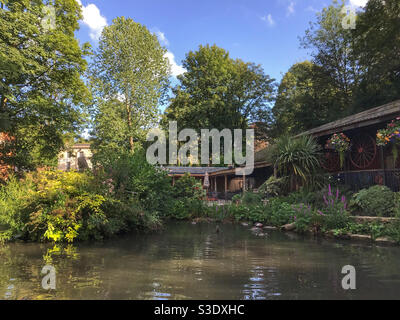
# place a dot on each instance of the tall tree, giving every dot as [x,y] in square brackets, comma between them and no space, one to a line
[41,90]
[305,100]
[129,76]
[378,49]
[219,92]
[332,49]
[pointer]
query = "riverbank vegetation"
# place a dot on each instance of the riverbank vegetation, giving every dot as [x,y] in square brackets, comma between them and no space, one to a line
[47,95]
[330,211]
[124,194]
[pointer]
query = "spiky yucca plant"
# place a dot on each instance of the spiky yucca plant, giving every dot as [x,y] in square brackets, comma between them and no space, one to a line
[296,158]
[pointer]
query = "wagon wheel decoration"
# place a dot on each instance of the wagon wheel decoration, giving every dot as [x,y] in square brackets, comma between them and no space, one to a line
[363,151]
[397,165]
[330,161]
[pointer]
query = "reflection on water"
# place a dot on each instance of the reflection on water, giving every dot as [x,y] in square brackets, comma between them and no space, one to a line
[194,262]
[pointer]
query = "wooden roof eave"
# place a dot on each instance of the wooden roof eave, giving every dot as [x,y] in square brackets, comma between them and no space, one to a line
[232,171]
[366,118]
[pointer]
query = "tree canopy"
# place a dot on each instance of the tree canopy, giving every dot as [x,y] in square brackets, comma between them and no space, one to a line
[219,92]
[351,70]
[129,77]
[42,94]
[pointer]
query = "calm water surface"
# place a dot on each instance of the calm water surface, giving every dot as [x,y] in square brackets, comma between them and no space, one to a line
[187,261]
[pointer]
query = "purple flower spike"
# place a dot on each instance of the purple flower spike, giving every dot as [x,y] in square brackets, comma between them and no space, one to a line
[330,190]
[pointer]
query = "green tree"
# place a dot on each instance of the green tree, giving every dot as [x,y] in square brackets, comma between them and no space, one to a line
[332,49]
[378,49]
[129,77]
[42,94]
[219,92]
[304,100]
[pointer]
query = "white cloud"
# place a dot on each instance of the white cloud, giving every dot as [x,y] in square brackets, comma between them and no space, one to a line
[268,19]
[312,9]
[176,69]
[161,37]
[93,19]
[290,9]
[358,3]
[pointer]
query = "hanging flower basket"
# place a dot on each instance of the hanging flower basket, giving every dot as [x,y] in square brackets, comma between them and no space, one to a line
[340,143]
[390,136]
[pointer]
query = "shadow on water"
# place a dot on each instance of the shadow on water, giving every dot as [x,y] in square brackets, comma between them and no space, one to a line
[187,261]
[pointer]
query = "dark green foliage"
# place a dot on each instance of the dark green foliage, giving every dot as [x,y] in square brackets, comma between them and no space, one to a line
[273,187]
[304,100]
[378,201]
[377,46]
[279,213]
[219,92]
[251,198]
[188,196]
[351,70]
[42,94]
[393,231]
[133,176]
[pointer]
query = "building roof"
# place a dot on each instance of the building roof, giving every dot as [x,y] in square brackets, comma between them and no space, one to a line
[366,118]
[81,146]
[195,171]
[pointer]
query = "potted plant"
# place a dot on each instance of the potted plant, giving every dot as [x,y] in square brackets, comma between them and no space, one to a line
[390,136]
[341,144]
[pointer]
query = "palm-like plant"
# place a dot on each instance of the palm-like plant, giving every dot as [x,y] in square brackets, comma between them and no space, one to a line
[296,158]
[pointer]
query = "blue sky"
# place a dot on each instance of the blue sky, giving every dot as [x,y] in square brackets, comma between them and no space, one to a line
[265,32]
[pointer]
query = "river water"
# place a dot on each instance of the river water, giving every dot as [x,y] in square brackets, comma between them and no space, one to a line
[186,261]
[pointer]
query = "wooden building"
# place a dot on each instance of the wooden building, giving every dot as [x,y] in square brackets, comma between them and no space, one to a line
[366,163]
[224,183]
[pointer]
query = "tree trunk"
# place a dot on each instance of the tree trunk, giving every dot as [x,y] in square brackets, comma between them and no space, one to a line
[129,116]
[3,102]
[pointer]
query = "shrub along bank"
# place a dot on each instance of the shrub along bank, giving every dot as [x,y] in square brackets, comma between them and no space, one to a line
[329,211]
[126,194]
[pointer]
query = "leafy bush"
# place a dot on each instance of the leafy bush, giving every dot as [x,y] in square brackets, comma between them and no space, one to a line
[273,187]
[251,198]
[393,231]
[66,206]
[187,196]
[302,196]
[279,213]
[303,217]
[131,176]
[237,198]
[375,201]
